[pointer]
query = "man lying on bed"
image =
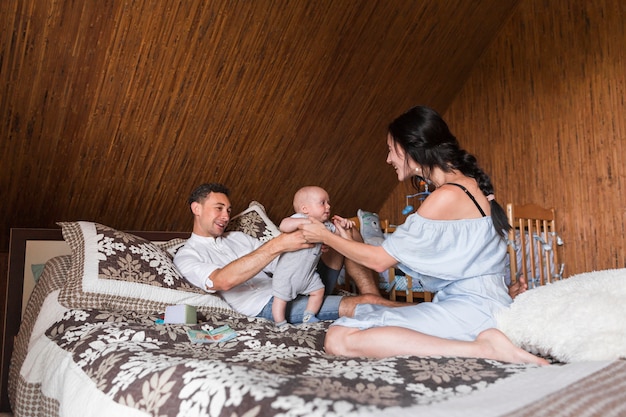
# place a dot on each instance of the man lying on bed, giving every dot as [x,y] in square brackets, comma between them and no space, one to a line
[239,267]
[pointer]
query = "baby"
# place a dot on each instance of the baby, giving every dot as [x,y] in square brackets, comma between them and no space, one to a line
[296,272]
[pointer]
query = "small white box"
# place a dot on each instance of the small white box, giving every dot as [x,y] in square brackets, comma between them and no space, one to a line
[180,314]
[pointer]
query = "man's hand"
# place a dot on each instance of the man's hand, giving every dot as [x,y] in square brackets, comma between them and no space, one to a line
[246,267]
[289,242]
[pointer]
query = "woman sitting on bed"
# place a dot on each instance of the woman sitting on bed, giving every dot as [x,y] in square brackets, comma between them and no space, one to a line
[455,245]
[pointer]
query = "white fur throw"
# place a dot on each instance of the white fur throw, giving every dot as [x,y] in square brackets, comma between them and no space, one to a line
[582,318]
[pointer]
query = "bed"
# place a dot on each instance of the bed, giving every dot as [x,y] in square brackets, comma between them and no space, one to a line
[88,339]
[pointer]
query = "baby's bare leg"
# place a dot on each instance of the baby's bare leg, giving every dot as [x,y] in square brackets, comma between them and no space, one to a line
[315,300]
[278,309]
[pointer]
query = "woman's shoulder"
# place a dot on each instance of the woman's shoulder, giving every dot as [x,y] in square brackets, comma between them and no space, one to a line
[448,203]
[441,204]
[416,220]
[423,234]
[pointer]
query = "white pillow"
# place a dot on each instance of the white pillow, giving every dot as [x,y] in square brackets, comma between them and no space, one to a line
[582,318]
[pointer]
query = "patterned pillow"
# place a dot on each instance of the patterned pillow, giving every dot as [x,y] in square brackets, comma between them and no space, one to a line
[171,246]
[254,221]
[114,270]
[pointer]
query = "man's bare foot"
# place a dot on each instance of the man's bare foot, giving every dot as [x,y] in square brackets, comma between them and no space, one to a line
[499,347]
[518,287]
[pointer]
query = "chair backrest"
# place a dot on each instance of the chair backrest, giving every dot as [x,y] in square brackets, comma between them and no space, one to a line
[533,244]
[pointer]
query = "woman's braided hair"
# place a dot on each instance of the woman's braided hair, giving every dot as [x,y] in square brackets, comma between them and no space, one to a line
[426,138]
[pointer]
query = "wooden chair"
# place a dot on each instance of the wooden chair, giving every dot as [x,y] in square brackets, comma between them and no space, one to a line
[402,284]
[533,244]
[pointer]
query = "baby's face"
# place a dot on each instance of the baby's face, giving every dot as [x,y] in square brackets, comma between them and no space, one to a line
[318,205]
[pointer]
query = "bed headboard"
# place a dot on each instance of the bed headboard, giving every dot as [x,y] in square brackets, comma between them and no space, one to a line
[29,247]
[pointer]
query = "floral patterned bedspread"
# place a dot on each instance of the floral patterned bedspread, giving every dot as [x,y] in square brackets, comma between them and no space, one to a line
[263,371]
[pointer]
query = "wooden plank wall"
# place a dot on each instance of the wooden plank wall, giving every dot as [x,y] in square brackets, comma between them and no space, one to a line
[113,111]
[545,112]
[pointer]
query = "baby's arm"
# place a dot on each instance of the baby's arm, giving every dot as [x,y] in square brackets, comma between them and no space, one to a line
[346,224]
[290,224]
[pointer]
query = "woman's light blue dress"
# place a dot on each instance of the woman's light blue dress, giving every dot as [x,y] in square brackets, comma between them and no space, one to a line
[462,261]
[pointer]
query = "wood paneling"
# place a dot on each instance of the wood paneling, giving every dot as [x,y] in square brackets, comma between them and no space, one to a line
[545,113]
[113,111]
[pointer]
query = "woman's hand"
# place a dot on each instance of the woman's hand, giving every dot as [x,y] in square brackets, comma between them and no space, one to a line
[313,230]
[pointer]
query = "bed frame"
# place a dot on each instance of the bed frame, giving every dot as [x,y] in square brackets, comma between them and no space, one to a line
[28,247]
[589,388]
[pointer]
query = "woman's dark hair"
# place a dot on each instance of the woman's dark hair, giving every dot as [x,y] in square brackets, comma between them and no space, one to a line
[426,138]
[202,191]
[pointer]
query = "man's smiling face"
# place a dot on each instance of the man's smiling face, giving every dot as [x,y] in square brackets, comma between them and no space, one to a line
[211,215]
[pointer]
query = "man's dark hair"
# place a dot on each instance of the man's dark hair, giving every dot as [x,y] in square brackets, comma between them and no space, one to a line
[202,191]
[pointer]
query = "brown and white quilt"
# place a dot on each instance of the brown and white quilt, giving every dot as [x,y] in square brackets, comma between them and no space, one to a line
[87,347]
[113,363]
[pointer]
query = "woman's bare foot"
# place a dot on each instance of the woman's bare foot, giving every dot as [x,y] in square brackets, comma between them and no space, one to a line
[497,346]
